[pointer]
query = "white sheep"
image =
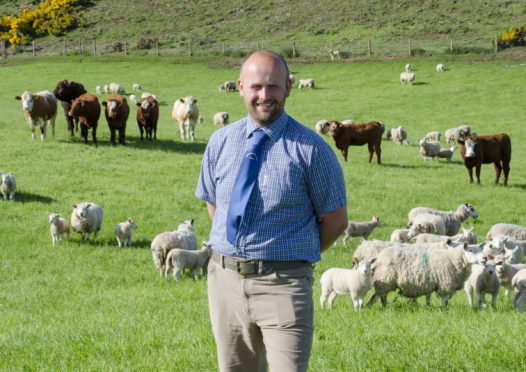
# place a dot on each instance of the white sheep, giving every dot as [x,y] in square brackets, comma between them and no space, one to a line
[106,89]
[446,153]
[8,186]
[58,226]
[467,236]
[348,121]
[506,272]
[514,249]
[482,279]
[518,283]
[334,53]
[306,83]
[514,231]
[417,272]
[429,149]
[180,259]
[363,229]
[453,219]
[454,134]
[322,127]
[440,67]
[183,238]
[433,136]
[491,249]
[407,77]
[133,99]
[136,87]
[427,223]
[146,94]
[221,118]
[355,283]
[123,232]
[292,80]
[400,236]
[86,219]
[230,86]
[408,67]
[399,135]
[117,88]
[98,89]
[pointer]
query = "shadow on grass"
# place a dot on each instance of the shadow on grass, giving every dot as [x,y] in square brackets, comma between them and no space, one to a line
[26,197]
[518,186]
[420,83]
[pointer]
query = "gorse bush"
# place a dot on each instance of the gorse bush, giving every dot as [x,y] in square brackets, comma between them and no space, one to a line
[144,43]
[516,36]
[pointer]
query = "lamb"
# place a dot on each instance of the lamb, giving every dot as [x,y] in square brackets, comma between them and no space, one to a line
[123,232]
[407,77]
[363,229]
[514,231]
[427,223]
[355,283]
[181,259]
[518,283]
[221,118]
[399,135]
[446,153]
[322,127]
[136,87]
[334,53]
[433,136]
[8,186]
[106,89]
[229,86]
[133,99]
[514,249]
[400,236]
[98,89]
[467,236]
[86,219]
[306,83]
[117,89]
[418,272]
[58,226]
[429,149]
[183,238]
[482,279]
[453,220]
[440,67]
[506,272]
[408,67]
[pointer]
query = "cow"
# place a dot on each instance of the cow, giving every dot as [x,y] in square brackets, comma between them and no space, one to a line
[39,108]
[116,112]
[147,116]
[491,148]
[346,135]
[186,113]
[67,92]
[87,109]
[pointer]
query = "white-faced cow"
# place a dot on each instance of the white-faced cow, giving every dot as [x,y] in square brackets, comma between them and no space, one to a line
[40,108]
[186,113]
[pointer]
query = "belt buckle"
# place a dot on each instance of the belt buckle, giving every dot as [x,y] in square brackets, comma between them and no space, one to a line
[238,266]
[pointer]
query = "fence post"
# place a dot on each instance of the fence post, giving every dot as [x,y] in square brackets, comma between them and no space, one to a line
[369,48]
[496,45]
[4,55]
[257,46]
[94,47]
[157,47]
[451,45]
[33,45]
[409,46]
[190,48]
[224,48]
[294,49]
[64,47]
[125,48]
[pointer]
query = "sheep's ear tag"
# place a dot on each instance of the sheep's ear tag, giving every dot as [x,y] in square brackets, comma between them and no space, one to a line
[491,257]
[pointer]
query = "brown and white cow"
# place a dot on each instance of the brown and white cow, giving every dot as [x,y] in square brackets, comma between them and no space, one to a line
[186,113]
[491,148]
[39,108]
[147,116]
[116,112]
[87,109]
[346,135]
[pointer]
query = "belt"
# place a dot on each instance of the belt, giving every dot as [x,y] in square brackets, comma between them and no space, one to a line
[245,267]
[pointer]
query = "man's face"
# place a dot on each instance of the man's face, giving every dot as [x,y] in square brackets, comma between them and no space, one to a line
[263,88]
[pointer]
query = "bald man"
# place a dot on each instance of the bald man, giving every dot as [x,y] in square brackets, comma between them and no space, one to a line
[261,273]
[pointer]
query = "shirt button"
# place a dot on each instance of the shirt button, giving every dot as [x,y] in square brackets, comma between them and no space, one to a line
[244,224]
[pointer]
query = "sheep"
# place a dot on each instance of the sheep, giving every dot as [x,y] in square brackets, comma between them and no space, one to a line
[514,231]
[133,99]
[136,87]
[221,118]
[181,259]
[453,219]
[433,136]
[221,88]
[183,238]
[440,67]
[453,135]
[355,283]
[369,249]
[123,232]
[306,83]
[418,272]
[506,272]
[514,249]
[363,229]
[86,219]
[229,86]
[348,121]
[446,153]
[483,280]
[518,283]
[492,249]
[58,226]
[467,236]
[400,236]
[98,89]
[146,95]
[322,127]
[408,67]
[106,89]
[292,80]
[334,53]
[399,135]
[407,77]
[8,186]
[429,149]
[117,89]
[427,223]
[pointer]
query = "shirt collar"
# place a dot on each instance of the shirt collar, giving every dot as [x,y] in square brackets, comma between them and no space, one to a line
[273,130]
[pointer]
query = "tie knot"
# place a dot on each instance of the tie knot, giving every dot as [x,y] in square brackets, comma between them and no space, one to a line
[259,136]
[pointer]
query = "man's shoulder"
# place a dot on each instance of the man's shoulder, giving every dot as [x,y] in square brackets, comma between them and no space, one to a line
[304,133]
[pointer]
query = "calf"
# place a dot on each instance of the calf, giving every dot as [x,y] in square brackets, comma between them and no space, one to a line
[346,135]
[492,148]
[186,113]
[147,116]
[87,109]
[116,112]
[40,107]
[67,92]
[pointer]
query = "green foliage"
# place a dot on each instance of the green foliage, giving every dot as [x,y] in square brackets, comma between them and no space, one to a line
[418,52]
[516,36]
[468,50]
[144,43]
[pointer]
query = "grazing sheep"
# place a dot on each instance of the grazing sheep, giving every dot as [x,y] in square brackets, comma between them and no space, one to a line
[453,219]
[446,153]
[427,223]
[229,86]
[482,279]
[117,89]
[355,283]
[123,232]
[98,89]
[369,249]
[86,107]
[418,272]
[506,272]
[136,87]
[408,67]
[514,249]
[221,88]
[334,53]
[116,112]
[363,229]
[453,135]
[58,226]
[39,108]
[518,283]
[514,231]
[181,259]
[467,236]
[133,99]
[183,238]
[306,83]
[86,219]
[106,89]
[322,127]
[399,135]
[407,77]
[346,135]
[400,236]
[8,186]
[440,67]
[388,135]
[433,136]
[221,118]
[429,150]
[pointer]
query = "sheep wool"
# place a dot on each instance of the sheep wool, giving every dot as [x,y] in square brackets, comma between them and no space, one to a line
[86,219]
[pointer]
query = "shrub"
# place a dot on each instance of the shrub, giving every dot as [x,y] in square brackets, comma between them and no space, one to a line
[516,36]
[418,52]
[116,46]
[144,43]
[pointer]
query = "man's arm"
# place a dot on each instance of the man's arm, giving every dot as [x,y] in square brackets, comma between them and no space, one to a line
[212,209]
[332,225]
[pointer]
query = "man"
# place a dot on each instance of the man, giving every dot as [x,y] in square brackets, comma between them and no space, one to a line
[261,272]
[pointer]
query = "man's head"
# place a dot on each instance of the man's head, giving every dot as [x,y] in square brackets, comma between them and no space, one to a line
[264,85]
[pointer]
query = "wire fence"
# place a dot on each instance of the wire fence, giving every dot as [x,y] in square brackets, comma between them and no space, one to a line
[394,47]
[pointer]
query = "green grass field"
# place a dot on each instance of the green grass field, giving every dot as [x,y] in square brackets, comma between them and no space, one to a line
[95,306]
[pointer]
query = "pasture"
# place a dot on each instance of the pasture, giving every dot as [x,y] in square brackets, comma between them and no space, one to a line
[95,306]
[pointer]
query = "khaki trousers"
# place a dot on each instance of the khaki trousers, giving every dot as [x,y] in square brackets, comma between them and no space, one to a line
[262,320]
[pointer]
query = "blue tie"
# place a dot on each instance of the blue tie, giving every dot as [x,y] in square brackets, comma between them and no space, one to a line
[245,180]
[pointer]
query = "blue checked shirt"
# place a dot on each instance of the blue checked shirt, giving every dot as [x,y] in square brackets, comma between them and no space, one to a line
[300,179]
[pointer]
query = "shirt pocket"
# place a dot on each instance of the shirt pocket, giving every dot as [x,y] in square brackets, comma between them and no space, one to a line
[283,186]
